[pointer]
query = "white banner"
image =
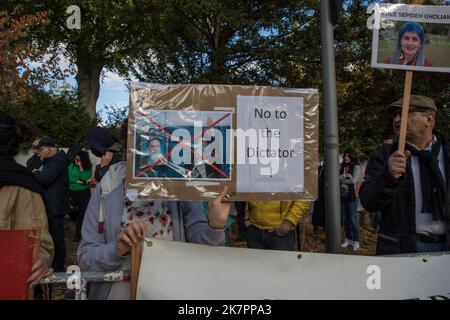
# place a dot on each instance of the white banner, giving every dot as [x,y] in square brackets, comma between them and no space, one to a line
[182,271]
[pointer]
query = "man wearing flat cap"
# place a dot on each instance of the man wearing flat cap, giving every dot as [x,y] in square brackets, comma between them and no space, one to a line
[54,179]
[411,188]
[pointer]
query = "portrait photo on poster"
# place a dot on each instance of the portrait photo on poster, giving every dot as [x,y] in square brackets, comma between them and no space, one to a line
[414,38]
[182,145]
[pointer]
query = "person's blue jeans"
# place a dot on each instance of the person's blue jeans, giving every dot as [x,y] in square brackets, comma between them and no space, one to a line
[431,247]
[350,217]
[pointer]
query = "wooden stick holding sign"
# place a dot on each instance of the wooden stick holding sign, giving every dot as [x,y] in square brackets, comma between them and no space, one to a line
[405,111]
[136,251]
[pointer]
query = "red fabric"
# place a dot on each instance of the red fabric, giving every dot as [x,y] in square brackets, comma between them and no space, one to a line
[16,261]
[101,227]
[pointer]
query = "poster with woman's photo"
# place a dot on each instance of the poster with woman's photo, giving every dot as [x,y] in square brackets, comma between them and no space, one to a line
[412,37]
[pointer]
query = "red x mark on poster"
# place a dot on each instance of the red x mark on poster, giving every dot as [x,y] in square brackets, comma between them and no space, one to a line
[183,144]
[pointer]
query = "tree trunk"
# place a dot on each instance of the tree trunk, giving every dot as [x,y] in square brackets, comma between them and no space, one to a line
[88,79]
[218,70]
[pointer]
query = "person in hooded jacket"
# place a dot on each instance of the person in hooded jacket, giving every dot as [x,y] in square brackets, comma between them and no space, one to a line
[112,224]
[54,179]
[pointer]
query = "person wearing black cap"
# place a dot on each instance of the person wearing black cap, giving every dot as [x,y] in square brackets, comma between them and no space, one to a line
[411,188]
[54,179]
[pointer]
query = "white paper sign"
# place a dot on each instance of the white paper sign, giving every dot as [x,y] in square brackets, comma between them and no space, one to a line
[183,271]
[269,144]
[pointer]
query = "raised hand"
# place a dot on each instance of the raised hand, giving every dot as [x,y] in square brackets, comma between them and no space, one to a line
[219,210]
[106,159]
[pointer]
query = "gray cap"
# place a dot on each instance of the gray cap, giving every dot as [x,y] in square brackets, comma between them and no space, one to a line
[420,103]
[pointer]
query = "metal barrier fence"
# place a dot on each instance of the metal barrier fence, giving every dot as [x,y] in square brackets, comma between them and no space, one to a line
[76,280]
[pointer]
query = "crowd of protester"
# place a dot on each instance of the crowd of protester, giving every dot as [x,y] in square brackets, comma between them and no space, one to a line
[406,192]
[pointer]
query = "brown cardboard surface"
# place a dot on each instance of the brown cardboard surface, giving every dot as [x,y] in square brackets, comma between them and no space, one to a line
[207,98]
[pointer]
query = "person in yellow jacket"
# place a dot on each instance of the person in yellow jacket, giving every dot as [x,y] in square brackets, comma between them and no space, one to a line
[271,224]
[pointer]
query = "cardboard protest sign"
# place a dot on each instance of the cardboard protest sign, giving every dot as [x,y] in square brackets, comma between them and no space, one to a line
[187,141]
[411,37]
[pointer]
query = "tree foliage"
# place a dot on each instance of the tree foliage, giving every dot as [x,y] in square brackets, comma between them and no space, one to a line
[28,72]
[23,66]
[247,42]
[362,91]
[111,31]
[59,116]
[212,41]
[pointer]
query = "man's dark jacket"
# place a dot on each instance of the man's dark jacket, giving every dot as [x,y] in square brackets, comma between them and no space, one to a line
[396,200]
[34,162]
[54,179]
